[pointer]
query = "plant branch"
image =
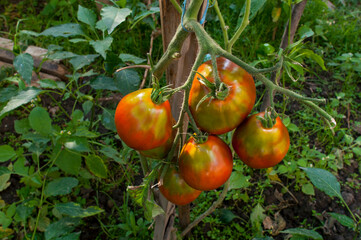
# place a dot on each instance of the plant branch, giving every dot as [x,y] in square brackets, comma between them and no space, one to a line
[209,211]
[176,6]
[245,22]
[133,66]
[223,24]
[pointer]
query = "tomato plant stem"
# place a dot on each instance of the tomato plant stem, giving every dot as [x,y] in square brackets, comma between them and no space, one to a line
[223,25]
[176,6]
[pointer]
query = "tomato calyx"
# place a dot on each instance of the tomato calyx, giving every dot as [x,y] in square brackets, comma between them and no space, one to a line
[216,92]
[269,118]
[200,138]
[160,94]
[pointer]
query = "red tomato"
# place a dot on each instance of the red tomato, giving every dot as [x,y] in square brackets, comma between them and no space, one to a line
[161,151]
[261,147]
[141,123]
[175,189]
[206,166]
[220,116]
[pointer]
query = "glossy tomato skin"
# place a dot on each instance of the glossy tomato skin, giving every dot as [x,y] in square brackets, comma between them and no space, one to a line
[260,147]
[141,123]
[175,189]
[220,116]
[206,166]
[161,151]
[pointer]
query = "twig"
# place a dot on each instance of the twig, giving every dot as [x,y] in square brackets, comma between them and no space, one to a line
[133,66]
[209,211]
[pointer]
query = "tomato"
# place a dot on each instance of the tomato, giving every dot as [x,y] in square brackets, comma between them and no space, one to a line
[260,147]
[175,189]
[141,123]
[161,151]
[205,166]
[218,116]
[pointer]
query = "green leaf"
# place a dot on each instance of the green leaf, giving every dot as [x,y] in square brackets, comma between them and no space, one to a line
[5,221]
[343,219]
[86,16]
[318,59]
[226,216]
[7,93]
[71,236]
[24,210]
[82,131]
[257,216]
[127,81]
[324,180]
[108,119]
[6,153]
[358,141]
[144,14]
[69,162]
[24,64]
[82,60]
[102,46]
[87,106]
[308,189]
[292,127]
[63,226]
[63,30]
[96,165]
[305,32]
[61,186]
[52,84]
[112,17]
[152,210]
[20,168]
[21,98]
[4,170]
[238,180]
[357,151]
[60,55]
[40,121]
[125,57]
[304,233]
[256,5]
[77,144]
[75,210]
[113,154]
[103,83]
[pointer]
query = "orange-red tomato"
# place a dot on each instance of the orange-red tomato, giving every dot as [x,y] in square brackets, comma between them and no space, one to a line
[220,116]
[261,147]
[205,166]
[175,189]
[141,123]
[161,151]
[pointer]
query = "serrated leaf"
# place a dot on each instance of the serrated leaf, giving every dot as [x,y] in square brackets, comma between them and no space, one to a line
[152,210]
[304,232]
[86,16]
[238,180]
[40,121]
[6,153]
[96,165]
[324,180]
[63,226]
[103,83]
[21,98]
[112,17]
[69,162]
[257,216]
[61,186]
[75,210]
[102,46]
[60,55]
[125,57]
[343,219]
[127,81]
[24,64]
[82,60]
[63,30]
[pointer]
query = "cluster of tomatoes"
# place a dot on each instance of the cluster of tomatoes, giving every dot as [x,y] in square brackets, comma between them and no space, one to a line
[203,165]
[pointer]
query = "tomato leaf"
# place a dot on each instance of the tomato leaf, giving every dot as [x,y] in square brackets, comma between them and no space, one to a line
[86,16]
[82,60]
[63,30]
[112,17]
[96,165]
[102,46]
[127,81]
[40,121]
[60,228]
[237,180]
[103,83]
[69,162]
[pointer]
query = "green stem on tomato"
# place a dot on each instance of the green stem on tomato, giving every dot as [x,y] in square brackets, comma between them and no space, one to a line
[223,24]
[176,6]
[245,22]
